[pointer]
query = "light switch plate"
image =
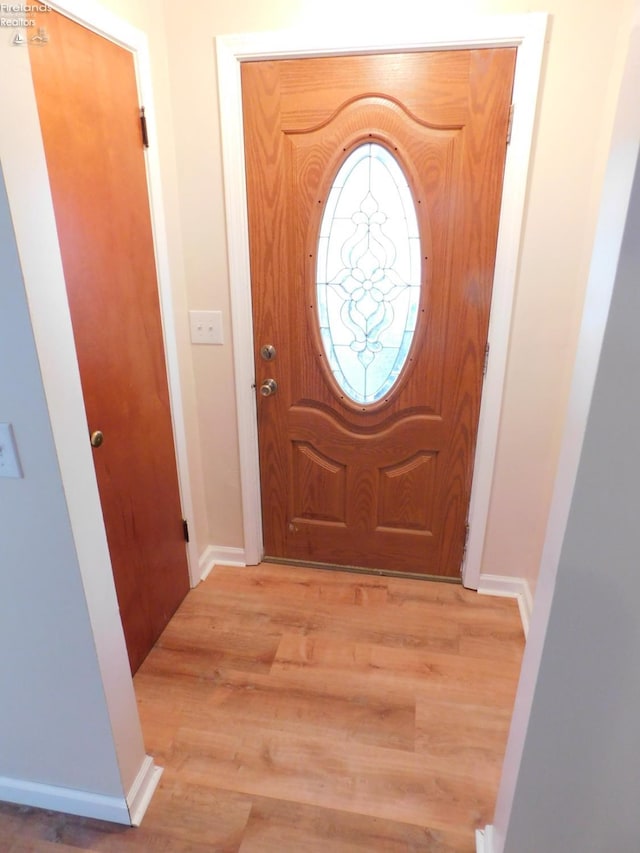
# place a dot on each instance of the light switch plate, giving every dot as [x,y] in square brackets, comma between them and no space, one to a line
[206,327]
[9,461]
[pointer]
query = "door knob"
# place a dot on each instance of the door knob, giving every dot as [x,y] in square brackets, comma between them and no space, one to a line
[268,387]
[96,438]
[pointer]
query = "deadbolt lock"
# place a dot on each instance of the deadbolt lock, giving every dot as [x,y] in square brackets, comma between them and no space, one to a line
[268,387]
[268,352]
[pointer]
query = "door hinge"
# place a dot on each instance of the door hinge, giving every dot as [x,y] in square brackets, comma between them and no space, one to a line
[486,359]
[464,547]
[510,124]
[185,529]
[143,126]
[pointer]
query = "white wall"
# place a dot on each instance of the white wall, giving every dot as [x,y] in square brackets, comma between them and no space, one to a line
[581,78]
[581,81]
[571,773]
[582,72]
[54,722]
[69,729]
[579,93]
[579,776]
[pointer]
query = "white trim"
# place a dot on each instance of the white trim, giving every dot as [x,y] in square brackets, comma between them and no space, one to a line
[218,555]
[508,587]
[232,132]
[67,800]
[142,790]
[484,840]
[525,96]
[527,32]
[99,20]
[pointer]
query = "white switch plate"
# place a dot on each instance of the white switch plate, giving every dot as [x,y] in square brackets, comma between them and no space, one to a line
[9,461]
[206,327]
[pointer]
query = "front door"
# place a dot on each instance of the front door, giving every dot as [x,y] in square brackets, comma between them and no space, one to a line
[374,187]
[89,114]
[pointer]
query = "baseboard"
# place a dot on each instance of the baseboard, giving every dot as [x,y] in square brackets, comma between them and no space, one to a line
[142,790]
[67,800]
[218,555]
[484,840]
[517,588]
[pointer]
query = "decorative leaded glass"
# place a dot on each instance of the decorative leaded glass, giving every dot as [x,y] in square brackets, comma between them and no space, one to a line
[368,273]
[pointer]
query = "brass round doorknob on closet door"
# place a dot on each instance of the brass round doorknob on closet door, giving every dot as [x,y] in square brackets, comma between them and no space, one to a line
[96,438]
[268,387]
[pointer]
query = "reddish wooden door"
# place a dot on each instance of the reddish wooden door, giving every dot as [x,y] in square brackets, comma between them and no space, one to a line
[384,485]
[89,114]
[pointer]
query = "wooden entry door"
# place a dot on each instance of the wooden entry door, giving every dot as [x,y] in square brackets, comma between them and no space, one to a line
[89,114]
[383,484]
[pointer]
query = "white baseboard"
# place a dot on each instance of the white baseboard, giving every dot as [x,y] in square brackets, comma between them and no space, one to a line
[218,555]
[142,790]
[517,588]
[484,840]
[67,800]
[125,810]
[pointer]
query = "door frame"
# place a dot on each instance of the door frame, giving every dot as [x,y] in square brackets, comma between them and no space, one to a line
[527,33]
[99,20]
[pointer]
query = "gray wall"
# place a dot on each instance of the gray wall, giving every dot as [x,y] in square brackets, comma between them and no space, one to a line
[54,725]
[579,779]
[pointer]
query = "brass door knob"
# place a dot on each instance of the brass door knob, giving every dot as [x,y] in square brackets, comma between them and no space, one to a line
[96,438]
[268,387]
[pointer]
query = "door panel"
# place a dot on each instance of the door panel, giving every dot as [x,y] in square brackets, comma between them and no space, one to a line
[384,485]
[88,106]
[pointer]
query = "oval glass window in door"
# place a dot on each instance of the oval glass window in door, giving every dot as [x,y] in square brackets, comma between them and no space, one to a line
[368,273]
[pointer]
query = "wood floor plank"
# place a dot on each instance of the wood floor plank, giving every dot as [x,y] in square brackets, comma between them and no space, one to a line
[191,814]
[37,829]
[365,780]
[194,647]
[472,737]
[496,644]
[266,702]
[407,589]
[444,676]
[298,710]
[275,826]
[282,582]
[181,819]
[38,847]
[377,624]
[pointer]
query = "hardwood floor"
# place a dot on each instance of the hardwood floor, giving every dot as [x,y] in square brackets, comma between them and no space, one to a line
[301,710]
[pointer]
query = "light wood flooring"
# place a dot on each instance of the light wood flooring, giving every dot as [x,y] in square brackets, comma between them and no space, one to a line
[299,710]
